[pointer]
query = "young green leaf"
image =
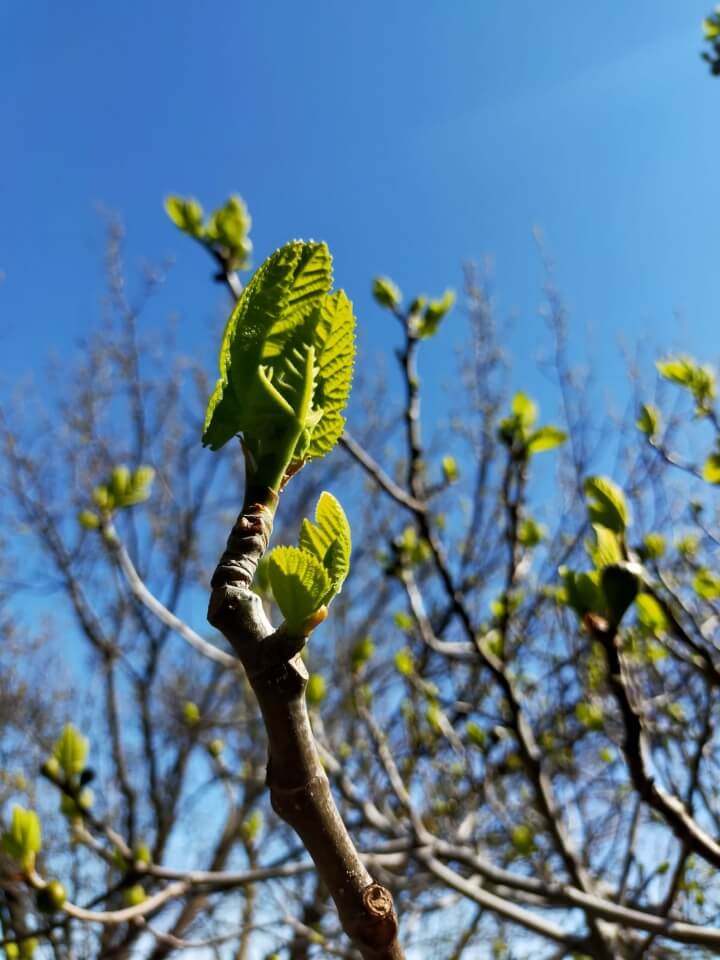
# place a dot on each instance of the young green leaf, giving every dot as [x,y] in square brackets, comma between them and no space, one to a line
[329,539]
[525,410]
[607,549]
[530,533]
[334,341]
[650,614]
[545,438]
[300,584]
[648,421]
[606,504]
[706,584]
[583,592]
[70,751]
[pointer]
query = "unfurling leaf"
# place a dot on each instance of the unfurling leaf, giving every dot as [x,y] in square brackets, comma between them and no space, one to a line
[285,364]
[70,751]
[606,504]
[300,585]
[329,540]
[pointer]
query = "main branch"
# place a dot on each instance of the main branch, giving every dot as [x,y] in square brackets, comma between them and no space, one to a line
[299,789]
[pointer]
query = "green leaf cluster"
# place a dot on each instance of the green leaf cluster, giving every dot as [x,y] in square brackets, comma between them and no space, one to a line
[700,381]
[67,768]
[612,586]
[590,714]
[24,838]
[518,432]
[285,365]
[122,489]
[711,26]
[225,231]
[304,579]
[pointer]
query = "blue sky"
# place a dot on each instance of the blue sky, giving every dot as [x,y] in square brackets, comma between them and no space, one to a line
[411,136]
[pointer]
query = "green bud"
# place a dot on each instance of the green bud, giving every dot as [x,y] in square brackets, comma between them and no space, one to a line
[88,520]
[119,481]
[191,713]
[28,947]
[51,897]
[142,477]
[103,498]
[316,689]
[51,768]
[450,469]
[476,735]
[134,895]
[141,854]
[386,293]
[216,747]
[361,652]
[523,839]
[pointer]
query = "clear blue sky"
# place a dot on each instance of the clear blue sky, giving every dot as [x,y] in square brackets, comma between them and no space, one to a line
[410,135]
